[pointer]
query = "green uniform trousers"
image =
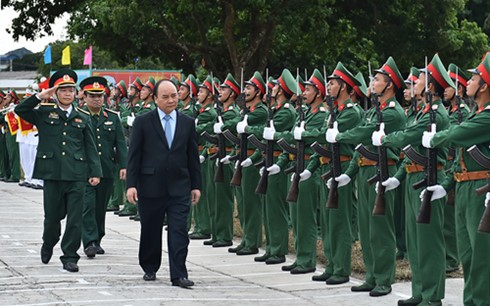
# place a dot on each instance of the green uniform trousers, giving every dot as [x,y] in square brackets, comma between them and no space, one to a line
[377,233]
[449,230]
[304,220]
[13,156]
[4,158]
[276,215]
[425,243]
[63,199]
[399,215]
[340,229]
[252,209]
[223,207]
[117,196]
[202,223]
[211,198]
[324,221]
[94,211]
[473,247]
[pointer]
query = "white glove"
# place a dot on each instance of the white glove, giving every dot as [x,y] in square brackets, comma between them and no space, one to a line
[218,125]
[236,164]
[274,169]
[201,159]
[261,171]
[246,163]
[298,130]
[329,183]
[242,125]
[269,132]
[377,135]
[292,177]
[390,183]
[427,136]
[225,160]
[487,198]
[343,180]
[196,121]
[332,133]
[437,192]
[130,120]
[303,176]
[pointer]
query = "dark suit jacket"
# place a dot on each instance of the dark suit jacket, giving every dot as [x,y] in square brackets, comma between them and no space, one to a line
[153,168]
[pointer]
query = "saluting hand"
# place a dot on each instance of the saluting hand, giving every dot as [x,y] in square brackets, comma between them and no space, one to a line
[94,181]
[48,93]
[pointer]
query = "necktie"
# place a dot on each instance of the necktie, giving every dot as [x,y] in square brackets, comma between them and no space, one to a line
[168,130]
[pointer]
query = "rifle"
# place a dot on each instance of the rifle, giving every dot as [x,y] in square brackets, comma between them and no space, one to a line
[268,147]
[430,161]
[323,152]
[241,141]
[381,157]
[298,150]
[219,175]
[483,161]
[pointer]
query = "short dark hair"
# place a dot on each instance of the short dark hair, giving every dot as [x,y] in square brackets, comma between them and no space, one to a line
[155,90]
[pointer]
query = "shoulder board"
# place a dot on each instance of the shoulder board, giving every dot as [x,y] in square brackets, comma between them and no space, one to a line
[48,104]
[286,105]
[83,111]
[349,105]
[435,107]
[207,108]
[187,107]
[392,104]
[486,108]
[462,105]
[322,109]
[111,111]
[230,108]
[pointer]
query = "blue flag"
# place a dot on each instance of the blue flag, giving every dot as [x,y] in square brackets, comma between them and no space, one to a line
[47,55]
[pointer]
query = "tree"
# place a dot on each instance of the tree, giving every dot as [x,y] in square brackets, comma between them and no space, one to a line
[226,35]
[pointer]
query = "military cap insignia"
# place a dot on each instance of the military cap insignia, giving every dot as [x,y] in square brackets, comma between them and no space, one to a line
[66,77]
[53,115]
[96,85]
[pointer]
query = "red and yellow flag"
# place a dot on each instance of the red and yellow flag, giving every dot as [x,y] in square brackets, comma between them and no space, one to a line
[25,127]
[12,122]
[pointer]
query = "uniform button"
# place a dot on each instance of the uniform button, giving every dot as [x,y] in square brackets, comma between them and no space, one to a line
[98,129]
[52,122]
[100,145]
[109,129]
[44,156]
[64,133]
[63,153]
[98,137]
[63,143]
[100,153]
[66,123]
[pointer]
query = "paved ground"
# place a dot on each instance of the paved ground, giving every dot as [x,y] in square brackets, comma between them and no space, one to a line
[116,279]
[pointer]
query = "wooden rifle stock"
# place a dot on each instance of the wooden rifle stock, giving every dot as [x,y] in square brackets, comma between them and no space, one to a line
[484,225]
[236,180]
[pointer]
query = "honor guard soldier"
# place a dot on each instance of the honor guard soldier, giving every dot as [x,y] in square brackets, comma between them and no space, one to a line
[112,151]
[147,104]
[340,85]
[222,219]
[467,176]
[4,169]
[188,96]
[11,128]
[376,232]
[275,209]
[66,158]
[425,240]
[254,114]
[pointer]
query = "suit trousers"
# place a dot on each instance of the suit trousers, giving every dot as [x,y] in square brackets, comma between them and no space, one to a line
[152,212]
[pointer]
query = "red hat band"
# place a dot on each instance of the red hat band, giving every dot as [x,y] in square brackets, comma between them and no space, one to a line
[232,86]
[437,76]
[65,79]
[345,78]
[284,87]
[318,84]
[461,81]
[393,76]
[257,83]
[484,73]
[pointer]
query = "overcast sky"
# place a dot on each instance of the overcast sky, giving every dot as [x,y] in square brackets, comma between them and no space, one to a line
[7,43]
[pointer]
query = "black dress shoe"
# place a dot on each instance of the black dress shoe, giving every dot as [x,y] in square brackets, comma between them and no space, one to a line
[112,208]
[117,212]
[182,282]
[100,250]
[37,187]
[262,258]
[209,242]
[23,184]
[46,254]
[274,260]
[70,266]
[247,251]
[150,276]
[91,250]
[235,249]
[220,244]
[289,267]
[301,270]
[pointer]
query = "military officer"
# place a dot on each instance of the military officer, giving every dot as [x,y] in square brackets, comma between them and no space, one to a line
[256,115]
[112,151]
[66,158]
[425,242]
[377,233]
[473,246]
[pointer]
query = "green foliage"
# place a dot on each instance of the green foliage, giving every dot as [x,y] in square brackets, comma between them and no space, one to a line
[226,35]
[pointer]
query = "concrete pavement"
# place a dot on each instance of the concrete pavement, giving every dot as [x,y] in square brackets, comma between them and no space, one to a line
[115,278]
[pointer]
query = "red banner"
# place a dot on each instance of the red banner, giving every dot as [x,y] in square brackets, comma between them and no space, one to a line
[12,122]
[25,126]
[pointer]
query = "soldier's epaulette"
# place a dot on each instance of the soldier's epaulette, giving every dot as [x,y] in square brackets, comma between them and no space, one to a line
[83,111]
[322,109]
[392,104]
[207,108]
[286,105]
[349,105]
[435,106]
[48,104]
[462,105]
[487,107]
[112,111]
[230,108]
[187,107]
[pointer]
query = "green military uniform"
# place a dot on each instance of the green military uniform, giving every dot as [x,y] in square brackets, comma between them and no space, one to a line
[66,157]
[12,145]
[112,151]
[4,170]
[425,242]
[252,210]
[377,233]
[457,113]
[473,246]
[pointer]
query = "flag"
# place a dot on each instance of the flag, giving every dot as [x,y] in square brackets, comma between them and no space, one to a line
[47,55]
[87,59]
[65,57]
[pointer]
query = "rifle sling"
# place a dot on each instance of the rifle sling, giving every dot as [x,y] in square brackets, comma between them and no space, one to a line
[414,168]
[471,176]
[364,162]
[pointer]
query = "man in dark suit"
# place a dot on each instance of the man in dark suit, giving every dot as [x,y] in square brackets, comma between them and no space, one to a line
[163,172]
